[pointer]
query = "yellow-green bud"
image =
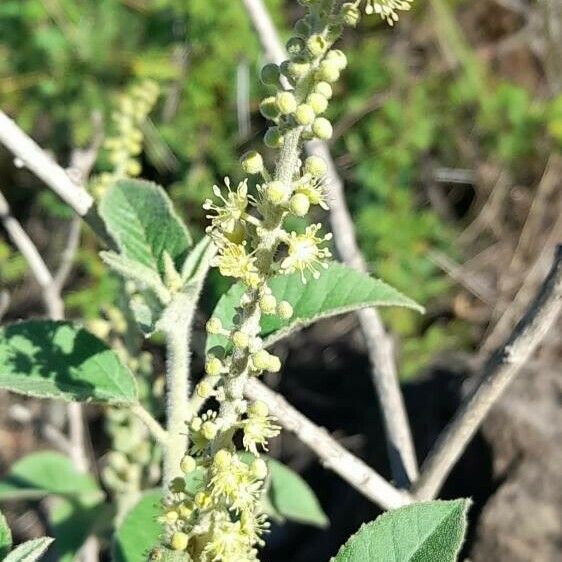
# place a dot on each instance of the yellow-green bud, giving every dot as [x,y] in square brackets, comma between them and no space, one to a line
[213,366]
[277,192]
[274,365]
[204,389]
[209,430]
[286,102]
[350,14]
[302,28]
[273,138]
[268,304]
[202,500]
[214,326]
[317,102]
[297,69]
[179,541]
[338,57]
[188,464]
[270,74]
[258,469]
[171,516]
[299,204]
[323,88]
[133,167]
[240,339]
[285,310]
[316,45]
[222,459]
[258,408]
[184,511]
[328,71]
[268,108]
[322,128]
[261,360]
[304,115]
[295,46]
[315,166]
[252,162]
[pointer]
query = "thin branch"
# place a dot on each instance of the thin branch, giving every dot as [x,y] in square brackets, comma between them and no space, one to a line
[159,433]
[331,454]
[499,371]
[379,344]
[69,253]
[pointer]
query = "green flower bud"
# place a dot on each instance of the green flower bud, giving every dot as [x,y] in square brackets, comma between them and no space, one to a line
[322,128]
[209,430]
[268,304]
[171,517]
[302,28]
[295,46]
[317,102]
[268,108]
[338,57]
[299,204]
[214,326]
[350,14]
[297,70]
[188,464]
[179,541]
[177,485]
[240,340]
[333,32]
[286,102]
[252,162]
[213,366]
[324,89]
[328,71]
[274,365]
[270,74]
[133,167]
[316,45]
[261,360]
[202,500]
[204,389]
[222,459]
[237,234]
[315,166]
[277,192]
[304,114]
[273,138]
[258,408]
[258,469]
[285,310]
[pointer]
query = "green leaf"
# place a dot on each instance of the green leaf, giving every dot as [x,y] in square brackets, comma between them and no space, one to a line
[424,532]
[340,289]
[292,498]
[139,532]
[29,551]
[5,537]
[199,260]
[49,359]
[40,474]
[140,217]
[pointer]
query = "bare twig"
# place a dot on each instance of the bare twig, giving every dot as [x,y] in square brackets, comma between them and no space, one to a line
[498,372]
[332,455]
[379,344]
[159,433]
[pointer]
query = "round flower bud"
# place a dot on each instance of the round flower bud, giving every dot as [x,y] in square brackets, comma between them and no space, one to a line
[261,360]
[270,74]
[328,71]
[274,365]
[268,304]
[304,114]
[184,511]
[317,102]
[214,326]
[350,14]
[322,128]
[171,516]
[315,166]
[240,339]
[258,409]
[209,430]
[295,46]
[324,89]
[204,389]
[286,102]
[299,204]
[268,108]
[316,45]
[285,310]
[252,162]
[258,469]
[201,500]
[302,28]
[297,70]
[177,485]
[213,366]
[188,464]
[222,459]
[179,541]
[338,57]
[273,138]
[277,192]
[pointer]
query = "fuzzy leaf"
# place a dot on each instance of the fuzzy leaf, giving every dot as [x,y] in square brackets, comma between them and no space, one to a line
[139,531]
[5,537]
[340,289]
[49,359]
[29,551]
[424,532]
[44,473]
[199,259]
[140,217]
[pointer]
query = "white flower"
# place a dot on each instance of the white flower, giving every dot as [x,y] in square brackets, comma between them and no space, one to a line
[387,9]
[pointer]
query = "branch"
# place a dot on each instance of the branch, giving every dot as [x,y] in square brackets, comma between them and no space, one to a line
[158,432]
[498,372]
[379,344]
[331,454]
